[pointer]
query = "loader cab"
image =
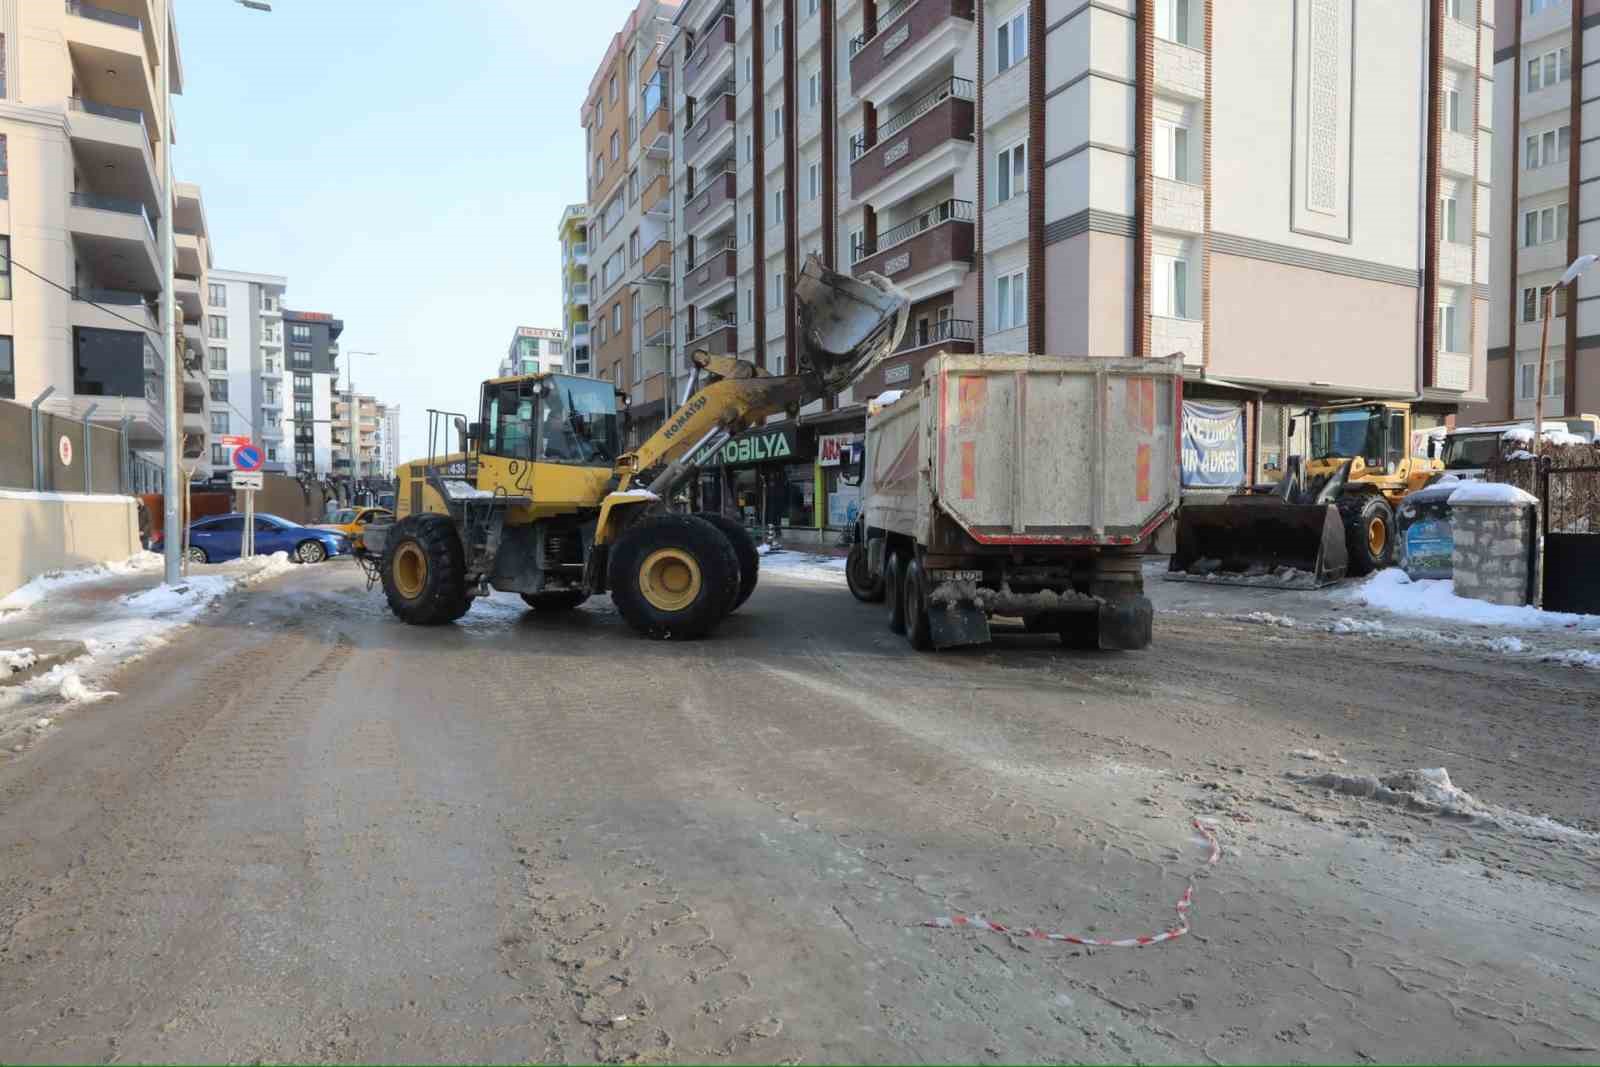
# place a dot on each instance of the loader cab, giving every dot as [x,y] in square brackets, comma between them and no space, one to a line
[550,418]
[1374,433]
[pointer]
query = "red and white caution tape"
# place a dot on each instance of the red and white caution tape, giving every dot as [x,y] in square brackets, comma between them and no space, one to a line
[978,922]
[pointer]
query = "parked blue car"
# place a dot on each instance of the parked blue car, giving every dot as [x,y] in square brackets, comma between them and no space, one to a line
[218,537]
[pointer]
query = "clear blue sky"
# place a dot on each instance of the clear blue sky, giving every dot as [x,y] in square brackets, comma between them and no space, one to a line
[403,164]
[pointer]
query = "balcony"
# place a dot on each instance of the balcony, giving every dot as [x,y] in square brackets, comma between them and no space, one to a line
[186,287]
[115,239]
[580,255]
[115,308]
[270,308]
[714,125]
[719,194]
[717,267]
[113,143]
[714,48]
[940,237]
[655,132]
[910,37]
[720,337]
[108,52]
[903,368]
[658,262]
[658,327]
[578,295]
[655,198]
[946,335]
[932,131]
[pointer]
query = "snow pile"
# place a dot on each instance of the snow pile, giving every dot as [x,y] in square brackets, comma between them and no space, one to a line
[1348,625]
[1508,645]
[73,690]
[1429,790]
[634,494]
[1267,618]
[13,660]
[1573,657]
[1554,433]
[763,549]
[887,397]
[41,587]
[805,566]
[1490,493]
[1391,590]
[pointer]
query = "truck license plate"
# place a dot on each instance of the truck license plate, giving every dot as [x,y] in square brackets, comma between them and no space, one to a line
[956,576]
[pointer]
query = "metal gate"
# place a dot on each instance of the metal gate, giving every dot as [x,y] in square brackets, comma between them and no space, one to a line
[1569,499]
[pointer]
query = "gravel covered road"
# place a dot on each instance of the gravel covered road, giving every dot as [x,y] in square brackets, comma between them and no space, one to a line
[305,832]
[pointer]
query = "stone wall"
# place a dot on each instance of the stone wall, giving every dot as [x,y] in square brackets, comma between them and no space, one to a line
[1492,549]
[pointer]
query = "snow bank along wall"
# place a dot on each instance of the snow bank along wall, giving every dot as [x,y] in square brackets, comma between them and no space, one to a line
[42,532]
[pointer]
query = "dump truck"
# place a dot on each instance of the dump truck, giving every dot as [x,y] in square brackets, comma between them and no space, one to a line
[1026,487]
[543,500]
[1331,514]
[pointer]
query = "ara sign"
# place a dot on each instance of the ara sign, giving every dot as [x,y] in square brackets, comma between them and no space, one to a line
[763,446]
[1213,444]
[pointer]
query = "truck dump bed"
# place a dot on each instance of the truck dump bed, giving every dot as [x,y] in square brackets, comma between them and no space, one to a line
[1030,450]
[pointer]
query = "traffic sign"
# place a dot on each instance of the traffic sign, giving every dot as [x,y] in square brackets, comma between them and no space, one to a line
[247,458]
[232,440]
[246,479]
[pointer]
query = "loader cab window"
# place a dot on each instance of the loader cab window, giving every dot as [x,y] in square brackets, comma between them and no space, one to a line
[578,422]
[508,420]
[1398,445]
[1347,433]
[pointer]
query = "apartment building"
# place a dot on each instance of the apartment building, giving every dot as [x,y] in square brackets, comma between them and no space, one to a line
[83,143]
[245,362]
[388,439]
[573,235]
[368,431]
[627,120]
[534,350]
[311,361]
[191,266]
[1126,178]
[1546,210]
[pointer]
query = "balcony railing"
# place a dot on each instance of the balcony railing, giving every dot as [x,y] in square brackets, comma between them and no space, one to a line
[945,331]
[716,35]
[957,88]
[715,268]
[708,249]
[900,30]
[94,295]
[100,14]
[109,111]
[707,326]
[114,203]
[956,210]
[716,117]
[886,18]
[720,190]
[658,261]
[653,198]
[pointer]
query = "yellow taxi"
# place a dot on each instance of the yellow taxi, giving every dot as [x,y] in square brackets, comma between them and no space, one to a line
[351,521]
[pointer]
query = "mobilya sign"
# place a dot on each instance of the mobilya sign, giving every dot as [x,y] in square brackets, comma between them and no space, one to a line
[746,449]
[1213,444]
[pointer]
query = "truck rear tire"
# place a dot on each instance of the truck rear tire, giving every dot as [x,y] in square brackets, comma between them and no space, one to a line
[673,576]
[424,571]
[857,574]
[894,573]
[918,630]
[553,602]
[744,547]
[1369,532]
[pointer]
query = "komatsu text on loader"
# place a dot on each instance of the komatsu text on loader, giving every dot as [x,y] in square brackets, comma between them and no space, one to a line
[543,500]
[1330,515]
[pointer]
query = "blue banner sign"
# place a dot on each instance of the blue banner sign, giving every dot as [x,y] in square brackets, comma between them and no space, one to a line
[1213,444]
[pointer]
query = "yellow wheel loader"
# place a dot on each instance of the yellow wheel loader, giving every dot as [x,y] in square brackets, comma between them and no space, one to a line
[1332,514]
[542,500]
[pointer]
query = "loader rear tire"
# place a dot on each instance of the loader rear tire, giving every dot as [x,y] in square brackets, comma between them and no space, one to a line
[894,576]
[918,629]
[673,576]
[1369,532]
[424,571]
[551,603]
[744,547]
[858,576]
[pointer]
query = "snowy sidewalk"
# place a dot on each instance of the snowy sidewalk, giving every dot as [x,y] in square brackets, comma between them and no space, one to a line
[92,621]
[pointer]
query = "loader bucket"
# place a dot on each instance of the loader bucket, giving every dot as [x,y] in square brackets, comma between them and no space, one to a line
[1260,540]
[846,323]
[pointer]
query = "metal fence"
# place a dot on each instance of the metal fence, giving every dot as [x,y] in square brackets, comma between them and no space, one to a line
[52,453]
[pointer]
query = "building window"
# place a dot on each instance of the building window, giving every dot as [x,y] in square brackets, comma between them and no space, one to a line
[302,383]
[1452,110]
[272,453]
[814,90]
[1011,300]
[777,36]
[219,422]
[219,358]
[749,68]
[1533,302]
[5,242]
[1536,6]
[1169,295]
[217,295]
[633,247]
[299,331]
[813,181]
[750,303]
[749,146]
[217,327]
[777,123]
[219,456]
[777,207]
[633,186]
[1555,378]
[299,357]
[858,244]
[302,411]
[1548,148]
[1447,217]
[1544,225]
[1011,40]
[777,289]
[611,93]
[1011,172]
[219,389]
[1550,68]
[1172,20]
[616,145]
[599,169]
[8,370]
[1172,151]
[749,225]
[1447,328]
[616,318]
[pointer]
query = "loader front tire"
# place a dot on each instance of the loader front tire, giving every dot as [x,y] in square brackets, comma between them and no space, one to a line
[673,576]
[424,571]
[1369,532]
[744,547]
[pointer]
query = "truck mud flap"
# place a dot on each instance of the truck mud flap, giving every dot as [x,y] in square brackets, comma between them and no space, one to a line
[1127,625]
[960,623]
[1260,540]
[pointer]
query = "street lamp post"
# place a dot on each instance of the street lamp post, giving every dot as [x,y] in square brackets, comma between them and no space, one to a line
[1578,266]
[172,389]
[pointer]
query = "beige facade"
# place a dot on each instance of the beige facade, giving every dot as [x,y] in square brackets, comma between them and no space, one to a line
[572,234]
[85,136]
[370,417]
[60,531]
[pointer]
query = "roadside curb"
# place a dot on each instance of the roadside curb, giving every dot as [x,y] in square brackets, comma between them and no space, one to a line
[50,654]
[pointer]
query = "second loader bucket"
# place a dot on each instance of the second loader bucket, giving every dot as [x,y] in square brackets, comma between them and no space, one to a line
[846,323]
[1260,540]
